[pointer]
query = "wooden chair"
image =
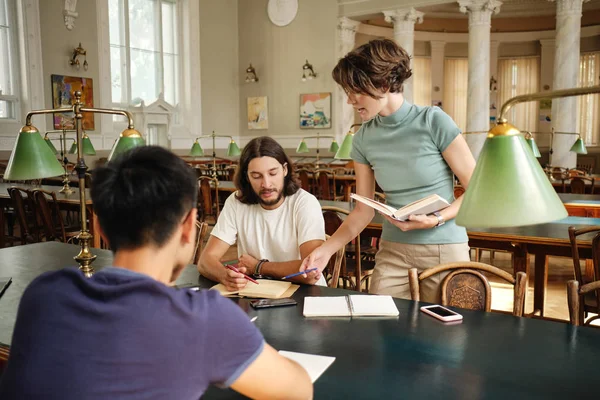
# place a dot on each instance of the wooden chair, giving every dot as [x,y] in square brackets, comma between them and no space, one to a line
[325,185]
[579,183]
[560,173]
[201,230]
[591,301]
[466,287]
[52,223]
[230,172]
[458,191]
[357,267]
[333,268]
[577,307]
[208,203]
[576,172]
[305,176]
[23,204]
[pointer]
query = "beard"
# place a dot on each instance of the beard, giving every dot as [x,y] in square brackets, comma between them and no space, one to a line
[270,202]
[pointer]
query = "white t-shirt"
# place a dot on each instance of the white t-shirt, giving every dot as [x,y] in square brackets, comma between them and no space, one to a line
[275,235]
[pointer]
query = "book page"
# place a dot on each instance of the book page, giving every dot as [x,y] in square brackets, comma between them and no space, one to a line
[266,289]
[373,305]
[384,208]
[330,306]
[426,205]
[314,364]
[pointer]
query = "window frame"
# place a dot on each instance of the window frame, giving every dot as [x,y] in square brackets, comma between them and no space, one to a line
[14,64]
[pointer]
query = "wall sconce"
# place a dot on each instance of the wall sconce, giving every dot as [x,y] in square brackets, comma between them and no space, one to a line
[251,74]
[493,83]
[308,72]
[79,51]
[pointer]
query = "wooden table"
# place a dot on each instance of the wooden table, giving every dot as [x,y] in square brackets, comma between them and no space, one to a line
[487,356]
[581,205]
[70,202]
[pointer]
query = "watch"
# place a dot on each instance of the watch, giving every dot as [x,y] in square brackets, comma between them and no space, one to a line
[440,219]
[282,12]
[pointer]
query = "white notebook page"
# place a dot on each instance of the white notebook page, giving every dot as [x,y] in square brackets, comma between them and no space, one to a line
[330,306]
[314,364]
[373,305]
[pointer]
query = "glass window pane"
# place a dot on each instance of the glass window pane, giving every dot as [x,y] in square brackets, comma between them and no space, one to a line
[169,27]
[118,74]
[3,13]
[7,109]
[144,75]
[116,13]
[143,20]
[6,72]
[171,79]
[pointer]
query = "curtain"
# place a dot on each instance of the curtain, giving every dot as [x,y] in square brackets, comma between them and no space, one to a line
[456,71]
[421,68]
[588,105]
[517,76]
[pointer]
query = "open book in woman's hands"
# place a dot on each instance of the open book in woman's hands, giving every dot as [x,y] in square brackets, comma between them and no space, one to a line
[426,205]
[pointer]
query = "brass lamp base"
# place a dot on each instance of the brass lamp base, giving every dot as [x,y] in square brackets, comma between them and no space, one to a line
[66,189]
[85,258]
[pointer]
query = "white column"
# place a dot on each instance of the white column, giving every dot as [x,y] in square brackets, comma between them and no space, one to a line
[478,97]
[346,29]
[548,47]
[437,70]
[566,74]
[404,20]
[494,44]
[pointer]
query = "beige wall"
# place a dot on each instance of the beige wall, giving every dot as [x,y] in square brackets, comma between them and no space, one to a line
[278,53]
[58,44]
[219,70]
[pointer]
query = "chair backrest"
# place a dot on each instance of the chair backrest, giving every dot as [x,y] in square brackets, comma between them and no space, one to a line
[577,185]
[50,216]
[333,268]
[324,185]
[333,220]
[230,171]
[201,230]
[576,299]
[560,173]
[576,172]
[23,204]
[458,191]
[304,177]
[209,203]
[573,233]
[465,286]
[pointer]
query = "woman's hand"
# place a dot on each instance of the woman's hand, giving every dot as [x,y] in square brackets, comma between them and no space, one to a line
[413,222]
[318,258]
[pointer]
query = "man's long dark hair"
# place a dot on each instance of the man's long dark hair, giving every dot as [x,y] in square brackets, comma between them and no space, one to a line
[263,146]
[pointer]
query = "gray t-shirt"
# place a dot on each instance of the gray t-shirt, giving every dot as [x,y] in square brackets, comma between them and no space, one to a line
[404,150]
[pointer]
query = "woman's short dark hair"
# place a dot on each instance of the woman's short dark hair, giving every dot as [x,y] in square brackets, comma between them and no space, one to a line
[263,146]
[142,197]
[379,65]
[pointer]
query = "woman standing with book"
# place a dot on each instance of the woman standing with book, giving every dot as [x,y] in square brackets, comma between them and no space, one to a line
[411,152]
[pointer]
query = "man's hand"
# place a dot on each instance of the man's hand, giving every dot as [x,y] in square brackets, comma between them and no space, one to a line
[248,262]
[234,281]
[413,222]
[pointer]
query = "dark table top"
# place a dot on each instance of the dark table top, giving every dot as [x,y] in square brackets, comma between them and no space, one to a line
[487,356]
[61,197]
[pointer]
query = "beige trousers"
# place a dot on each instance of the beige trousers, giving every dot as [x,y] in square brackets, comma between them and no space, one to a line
[393,260]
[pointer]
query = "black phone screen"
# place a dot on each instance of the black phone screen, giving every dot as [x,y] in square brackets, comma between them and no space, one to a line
[441,311]
[265,303]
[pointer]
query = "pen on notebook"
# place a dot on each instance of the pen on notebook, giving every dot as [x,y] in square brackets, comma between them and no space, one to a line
[300,273]
[231,267]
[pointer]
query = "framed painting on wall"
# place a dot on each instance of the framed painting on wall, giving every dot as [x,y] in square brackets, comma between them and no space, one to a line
[258,116]
[63,89]
[315,110]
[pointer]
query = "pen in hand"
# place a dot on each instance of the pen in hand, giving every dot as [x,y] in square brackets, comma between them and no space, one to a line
[231,267]
[300,273]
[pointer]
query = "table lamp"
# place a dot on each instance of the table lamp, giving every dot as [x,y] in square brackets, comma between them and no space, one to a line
[303,148]
[232,149]
[509,186]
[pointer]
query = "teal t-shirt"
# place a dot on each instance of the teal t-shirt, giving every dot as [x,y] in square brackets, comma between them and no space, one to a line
[404,150]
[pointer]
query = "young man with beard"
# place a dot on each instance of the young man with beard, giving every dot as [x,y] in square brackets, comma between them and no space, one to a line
[124,333]
[274,222]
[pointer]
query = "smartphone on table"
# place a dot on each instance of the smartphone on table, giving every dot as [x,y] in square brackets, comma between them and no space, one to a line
[267,303]
[441,313]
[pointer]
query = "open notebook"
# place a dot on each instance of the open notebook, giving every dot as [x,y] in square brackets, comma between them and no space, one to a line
[266,289]
[350,306]
[314,364]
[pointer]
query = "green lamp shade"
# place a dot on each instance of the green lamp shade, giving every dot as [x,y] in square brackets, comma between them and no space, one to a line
[533,146]
[73,148]
[196,150]
[508,188]
[51,145]
[302,147]
[31,158]
[233,149]
[579,147]
[125,143]
[334,147]
[88,147]
[344,152]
